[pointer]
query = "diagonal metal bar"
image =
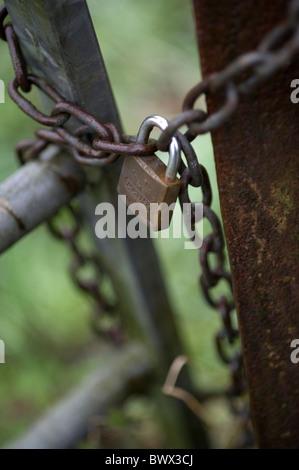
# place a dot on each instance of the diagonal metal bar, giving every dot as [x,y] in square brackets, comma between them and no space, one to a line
[60,44]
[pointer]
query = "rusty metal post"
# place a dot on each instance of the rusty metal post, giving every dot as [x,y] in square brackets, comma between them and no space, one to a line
[257,161]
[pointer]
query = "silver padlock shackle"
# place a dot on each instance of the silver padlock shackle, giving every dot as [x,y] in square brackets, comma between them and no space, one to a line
[174,149]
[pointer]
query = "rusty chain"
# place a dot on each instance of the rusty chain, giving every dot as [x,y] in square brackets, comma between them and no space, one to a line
[104,320]
[212,273]
[95,143]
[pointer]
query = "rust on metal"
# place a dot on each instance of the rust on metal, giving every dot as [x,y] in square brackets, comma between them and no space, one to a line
[71,184]
[28,108]
[8,209]
[18,61]
[3,15]
[257,161]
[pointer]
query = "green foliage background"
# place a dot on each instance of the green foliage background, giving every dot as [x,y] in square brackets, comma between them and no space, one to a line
[152,61]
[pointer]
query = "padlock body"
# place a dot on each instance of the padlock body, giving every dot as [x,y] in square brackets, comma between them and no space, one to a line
[142,181]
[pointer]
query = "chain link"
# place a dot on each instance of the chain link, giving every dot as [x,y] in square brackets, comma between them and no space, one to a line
[96,144]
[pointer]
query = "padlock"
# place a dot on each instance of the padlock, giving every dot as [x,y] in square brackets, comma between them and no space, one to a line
[147,180]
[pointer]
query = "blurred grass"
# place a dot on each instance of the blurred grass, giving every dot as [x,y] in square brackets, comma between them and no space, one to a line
[151,57]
